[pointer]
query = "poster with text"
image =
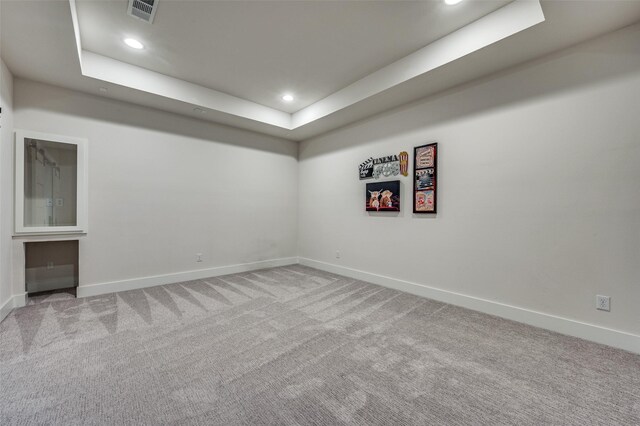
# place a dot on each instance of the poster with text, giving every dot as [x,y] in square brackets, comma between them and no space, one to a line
[424,202]
[425,156]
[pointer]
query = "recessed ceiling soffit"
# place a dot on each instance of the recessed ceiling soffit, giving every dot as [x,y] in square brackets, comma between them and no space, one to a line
[513,18]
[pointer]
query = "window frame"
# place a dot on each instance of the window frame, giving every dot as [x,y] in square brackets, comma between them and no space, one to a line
[82,192]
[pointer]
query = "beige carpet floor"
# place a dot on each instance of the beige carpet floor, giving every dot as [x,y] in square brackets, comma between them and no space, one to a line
[298,346]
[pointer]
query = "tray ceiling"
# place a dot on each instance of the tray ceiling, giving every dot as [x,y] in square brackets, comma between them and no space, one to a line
[230,62]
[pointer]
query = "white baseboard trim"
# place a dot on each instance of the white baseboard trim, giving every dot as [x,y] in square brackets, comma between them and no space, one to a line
[595,333]
[15,301]
[135,283]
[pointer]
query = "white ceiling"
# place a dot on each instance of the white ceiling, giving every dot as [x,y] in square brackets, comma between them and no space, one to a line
[344,60]
[259,50]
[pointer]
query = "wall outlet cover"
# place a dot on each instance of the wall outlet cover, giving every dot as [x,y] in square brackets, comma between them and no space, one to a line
[603,303]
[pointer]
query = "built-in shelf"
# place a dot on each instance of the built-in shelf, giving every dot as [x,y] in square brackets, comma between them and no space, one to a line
[49,236]
[51,265]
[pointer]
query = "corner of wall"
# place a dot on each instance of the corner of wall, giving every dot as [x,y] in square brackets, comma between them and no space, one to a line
[6,188]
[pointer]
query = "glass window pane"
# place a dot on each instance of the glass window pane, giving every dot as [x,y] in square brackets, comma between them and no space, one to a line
[50,183]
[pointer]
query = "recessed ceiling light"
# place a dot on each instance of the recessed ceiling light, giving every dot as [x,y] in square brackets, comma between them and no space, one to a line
[132,42]
[287,98]
[452,2]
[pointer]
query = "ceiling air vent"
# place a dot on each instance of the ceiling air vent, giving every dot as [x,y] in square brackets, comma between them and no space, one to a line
[143,9]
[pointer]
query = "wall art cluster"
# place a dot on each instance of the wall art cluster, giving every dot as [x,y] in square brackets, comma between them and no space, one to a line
[385,195]
[425,169]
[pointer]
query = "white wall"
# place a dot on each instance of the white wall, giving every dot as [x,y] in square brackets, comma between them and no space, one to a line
[164,187]
[539,203]
[6,185]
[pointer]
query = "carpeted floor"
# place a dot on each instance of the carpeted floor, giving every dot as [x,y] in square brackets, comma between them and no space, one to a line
[298,346]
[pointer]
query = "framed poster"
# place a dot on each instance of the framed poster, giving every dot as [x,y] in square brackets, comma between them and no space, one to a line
[383,196]
[425,176]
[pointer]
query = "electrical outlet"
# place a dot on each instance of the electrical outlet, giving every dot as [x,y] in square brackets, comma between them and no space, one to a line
[49,265]
[603,303]
[198,257]
[338,254]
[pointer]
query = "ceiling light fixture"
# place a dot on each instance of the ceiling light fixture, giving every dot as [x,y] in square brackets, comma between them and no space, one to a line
[133,43]
[287,97]
[452,2]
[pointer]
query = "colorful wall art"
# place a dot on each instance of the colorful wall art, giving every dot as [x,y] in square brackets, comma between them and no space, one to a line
[425,170]
[383,196]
